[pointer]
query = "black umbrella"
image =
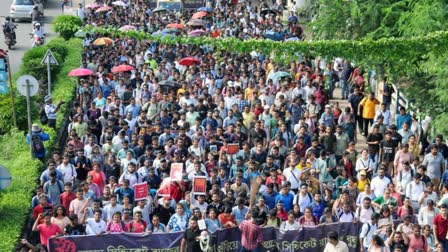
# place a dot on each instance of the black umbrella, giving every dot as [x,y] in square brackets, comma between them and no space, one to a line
[266,11]
[169,83]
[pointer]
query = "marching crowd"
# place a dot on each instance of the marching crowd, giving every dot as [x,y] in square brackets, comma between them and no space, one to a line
[297,162]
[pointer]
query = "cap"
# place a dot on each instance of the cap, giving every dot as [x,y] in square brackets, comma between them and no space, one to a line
[35,127]
[167,198]
[47,98]
[266,107]
[363,172]
[327,106]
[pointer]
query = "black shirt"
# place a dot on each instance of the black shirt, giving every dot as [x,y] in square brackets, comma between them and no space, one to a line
[164,214]
[388,150]
[374,148]
[190,237]
[78,229]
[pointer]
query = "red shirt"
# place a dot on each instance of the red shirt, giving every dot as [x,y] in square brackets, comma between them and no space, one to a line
[98,178]
[136,227]
[251,235]
[442,227]
[66,198]
[40,209]
[417,243]
[176,193]
[46,231]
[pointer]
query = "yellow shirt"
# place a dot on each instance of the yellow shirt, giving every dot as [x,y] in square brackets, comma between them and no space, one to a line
[248,93]
[248,118]
[368,106]
[362,184]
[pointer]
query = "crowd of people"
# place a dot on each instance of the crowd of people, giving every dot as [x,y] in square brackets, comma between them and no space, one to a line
[297,162]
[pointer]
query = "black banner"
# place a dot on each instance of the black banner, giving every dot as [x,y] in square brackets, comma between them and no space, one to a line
[226,240]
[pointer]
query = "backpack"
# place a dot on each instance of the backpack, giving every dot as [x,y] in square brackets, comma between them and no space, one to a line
[43,116]
[342,212]
[358,211]
[37,143]
[61,190]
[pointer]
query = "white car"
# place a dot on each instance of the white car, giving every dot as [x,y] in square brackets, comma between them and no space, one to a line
[21,9]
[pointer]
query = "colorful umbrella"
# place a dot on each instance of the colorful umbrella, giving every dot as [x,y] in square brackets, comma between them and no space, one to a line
[280,74]
[93,6]
[103,41]
[199,14]
[175,25]
[81,34]
[196,33]
[207,9]
[120,3]
[122,68]
[78,72]
[188,61]
[104,8]
[196,22]
[128,28]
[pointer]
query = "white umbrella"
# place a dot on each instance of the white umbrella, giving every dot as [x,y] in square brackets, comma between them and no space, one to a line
[120,3]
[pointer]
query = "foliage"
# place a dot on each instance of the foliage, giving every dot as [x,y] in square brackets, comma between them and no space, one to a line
[15,200]
[67,25]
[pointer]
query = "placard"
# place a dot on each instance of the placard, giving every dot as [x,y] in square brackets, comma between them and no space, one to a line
[140,191]
[176,171]
[164,189]
[233,149]
[199,185]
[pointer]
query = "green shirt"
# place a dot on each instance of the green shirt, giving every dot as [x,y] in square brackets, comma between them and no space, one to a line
[383,202]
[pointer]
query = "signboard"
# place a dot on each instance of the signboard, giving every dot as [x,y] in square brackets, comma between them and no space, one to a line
[2,64]
[176,171]
[3,88]
[25,80]
[140,191]
[199,185]
[3,76]
[49,57]
[5,177]
[233,149]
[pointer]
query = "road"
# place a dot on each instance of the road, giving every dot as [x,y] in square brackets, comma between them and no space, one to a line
[52,9]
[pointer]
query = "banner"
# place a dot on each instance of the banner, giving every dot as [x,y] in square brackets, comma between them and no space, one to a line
[227,240]
[140,191]
[233,149]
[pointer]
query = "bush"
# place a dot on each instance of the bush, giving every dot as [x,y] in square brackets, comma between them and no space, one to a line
[67,25]
[15,200]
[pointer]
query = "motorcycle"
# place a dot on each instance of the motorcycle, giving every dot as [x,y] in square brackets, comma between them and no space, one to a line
[37,40]
[9,40]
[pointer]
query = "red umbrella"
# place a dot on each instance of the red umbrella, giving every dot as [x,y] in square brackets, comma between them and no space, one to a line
[175,25]
[188,61]
[199,14]
[80,72]
[122,68]
[104,8]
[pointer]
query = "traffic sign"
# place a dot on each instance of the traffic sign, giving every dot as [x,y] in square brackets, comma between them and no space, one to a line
[2,64]
[49,58]
[25,80]
[3,76]
[3,88]
[5,177]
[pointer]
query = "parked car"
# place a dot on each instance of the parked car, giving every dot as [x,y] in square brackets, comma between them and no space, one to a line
[21,9]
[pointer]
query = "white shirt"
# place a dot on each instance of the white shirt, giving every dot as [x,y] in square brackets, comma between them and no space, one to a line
[378,185]
[340,247]
[286,226]
[109,210]
[293,176]
[95,228]
[426,217]
[68,172]
[346,217]
[364,215]
[367,235]
[413,190]
[387,116]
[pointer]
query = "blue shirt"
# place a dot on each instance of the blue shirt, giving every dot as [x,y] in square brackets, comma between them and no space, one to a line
[240,214]
[401,119]
[44,137]
[270,199]
[286,199]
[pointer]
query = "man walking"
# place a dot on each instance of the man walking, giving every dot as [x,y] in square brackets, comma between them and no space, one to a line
[251,235]
[334,244]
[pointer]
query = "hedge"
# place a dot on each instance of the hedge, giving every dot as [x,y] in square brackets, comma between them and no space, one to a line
[15,200]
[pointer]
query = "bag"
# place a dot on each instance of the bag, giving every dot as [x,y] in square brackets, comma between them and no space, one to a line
[38,145]
[43,116]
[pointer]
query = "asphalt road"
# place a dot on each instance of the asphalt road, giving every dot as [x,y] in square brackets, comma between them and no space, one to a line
[52,9]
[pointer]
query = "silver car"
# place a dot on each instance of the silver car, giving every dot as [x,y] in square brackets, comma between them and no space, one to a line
[21,9]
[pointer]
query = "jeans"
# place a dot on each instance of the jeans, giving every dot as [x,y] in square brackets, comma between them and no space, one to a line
[366,123]
[345,89]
